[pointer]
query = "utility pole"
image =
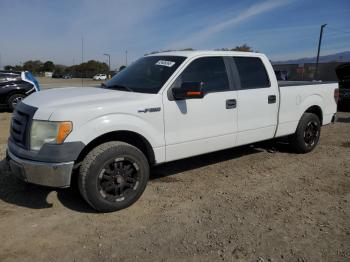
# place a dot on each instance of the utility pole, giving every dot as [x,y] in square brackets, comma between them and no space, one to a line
[82,60]
[316,76]
[109,61]
[126,57]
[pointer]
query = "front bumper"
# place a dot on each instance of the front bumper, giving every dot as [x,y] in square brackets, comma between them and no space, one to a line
[41,173]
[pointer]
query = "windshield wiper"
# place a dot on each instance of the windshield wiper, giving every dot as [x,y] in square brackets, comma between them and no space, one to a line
[117,87]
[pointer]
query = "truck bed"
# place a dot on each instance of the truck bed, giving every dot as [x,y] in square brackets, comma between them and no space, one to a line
[302,83]
[295,101]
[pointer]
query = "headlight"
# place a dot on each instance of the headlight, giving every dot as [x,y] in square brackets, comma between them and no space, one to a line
[43,132]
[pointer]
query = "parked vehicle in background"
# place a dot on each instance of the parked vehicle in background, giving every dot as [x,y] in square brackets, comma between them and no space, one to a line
[67,76]
[162,108]
[281,75]
[48,74]
[343,73]
[57,75]
[100,77]
[15,86]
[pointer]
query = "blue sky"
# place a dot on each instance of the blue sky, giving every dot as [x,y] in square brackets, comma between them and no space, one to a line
[52,30]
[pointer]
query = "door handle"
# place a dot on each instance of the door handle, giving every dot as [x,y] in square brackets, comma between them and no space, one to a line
[272,99]
[231,103]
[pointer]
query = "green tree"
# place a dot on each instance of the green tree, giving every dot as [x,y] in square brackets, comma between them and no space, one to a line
[34,66]
[242,48]
[48,66]
[60,69]
[88,69]
[9,67]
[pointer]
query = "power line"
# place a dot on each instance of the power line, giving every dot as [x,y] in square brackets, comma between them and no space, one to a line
[338,34]
[340,30]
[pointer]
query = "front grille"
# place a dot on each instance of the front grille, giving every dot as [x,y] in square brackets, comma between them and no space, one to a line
[20,124]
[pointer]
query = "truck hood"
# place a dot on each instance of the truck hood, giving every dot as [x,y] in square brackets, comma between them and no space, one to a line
[78,98]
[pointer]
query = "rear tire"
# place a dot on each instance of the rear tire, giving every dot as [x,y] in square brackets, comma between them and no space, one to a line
[113,176]
[307,134]
[14,99]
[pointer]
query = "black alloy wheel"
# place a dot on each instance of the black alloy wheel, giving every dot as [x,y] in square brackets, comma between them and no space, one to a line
[311,133]
[119,179]
[307,134]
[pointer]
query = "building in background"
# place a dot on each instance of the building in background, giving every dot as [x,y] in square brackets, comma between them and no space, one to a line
[305,72]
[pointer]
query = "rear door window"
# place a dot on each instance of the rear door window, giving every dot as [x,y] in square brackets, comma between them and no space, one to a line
[252,72]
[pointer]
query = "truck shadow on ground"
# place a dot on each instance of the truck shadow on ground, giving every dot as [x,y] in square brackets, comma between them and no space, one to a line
[21,194]
[343,109]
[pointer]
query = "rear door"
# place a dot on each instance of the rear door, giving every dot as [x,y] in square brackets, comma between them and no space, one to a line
[197,126]
[257,100]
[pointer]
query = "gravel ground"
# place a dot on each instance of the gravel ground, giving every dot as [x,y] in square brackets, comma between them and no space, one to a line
[253,203]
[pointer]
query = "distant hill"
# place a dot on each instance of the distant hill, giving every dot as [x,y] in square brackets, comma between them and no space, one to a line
[337,57]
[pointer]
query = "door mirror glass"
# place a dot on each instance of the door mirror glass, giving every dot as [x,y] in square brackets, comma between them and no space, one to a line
[188,90]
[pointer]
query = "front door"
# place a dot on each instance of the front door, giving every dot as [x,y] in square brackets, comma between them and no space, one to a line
[197,126]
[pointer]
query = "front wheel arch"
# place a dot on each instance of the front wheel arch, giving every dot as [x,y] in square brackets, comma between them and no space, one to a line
[129,137]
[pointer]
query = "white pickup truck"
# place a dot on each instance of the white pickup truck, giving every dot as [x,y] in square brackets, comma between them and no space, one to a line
[163,107]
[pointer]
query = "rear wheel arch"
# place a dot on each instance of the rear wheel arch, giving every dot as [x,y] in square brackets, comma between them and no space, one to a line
[316,110]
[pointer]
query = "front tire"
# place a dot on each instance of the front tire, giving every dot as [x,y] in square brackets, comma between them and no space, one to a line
[307,134]
[113,176]
[14,99]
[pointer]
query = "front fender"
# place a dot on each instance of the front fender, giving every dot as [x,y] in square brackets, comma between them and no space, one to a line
[87,132]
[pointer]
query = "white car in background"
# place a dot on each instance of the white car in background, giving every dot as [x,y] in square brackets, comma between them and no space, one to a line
[100,77]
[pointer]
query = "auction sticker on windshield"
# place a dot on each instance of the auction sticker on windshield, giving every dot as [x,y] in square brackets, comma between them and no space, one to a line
[165,63]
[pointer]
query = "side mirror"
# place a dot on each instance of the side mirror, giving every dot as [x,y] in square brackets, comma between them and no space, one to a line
[188,90]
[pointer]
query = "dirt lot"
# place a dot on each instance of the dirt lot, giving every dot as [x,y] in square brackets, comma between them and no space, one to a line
[247,204]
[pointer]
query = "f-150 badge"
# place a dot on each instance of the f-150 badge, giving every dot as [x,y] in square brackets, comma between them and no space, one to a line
[150,110]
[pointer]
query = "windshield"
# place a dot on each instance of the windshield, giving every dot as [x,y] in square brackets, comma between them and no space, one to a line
[146,75]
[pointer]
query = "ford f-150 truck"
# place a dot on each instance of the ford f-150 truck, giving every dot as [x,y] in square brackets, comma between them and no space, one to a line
[163,107]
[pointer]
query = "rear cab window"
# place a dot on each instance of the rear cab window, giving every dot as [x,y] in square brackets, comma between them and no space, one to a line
[252,73]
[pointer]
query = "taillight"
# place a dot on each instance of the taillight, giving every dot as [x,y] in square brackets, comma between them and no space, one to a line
[336,95]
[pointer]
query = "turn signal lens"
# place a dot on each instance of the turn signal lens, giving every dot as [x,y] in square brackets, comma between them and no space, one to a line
[64,130]
[194,93]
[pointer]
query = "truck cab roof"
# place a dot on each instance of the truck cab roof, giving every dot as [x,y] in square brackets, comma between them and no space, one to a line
[196,53]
